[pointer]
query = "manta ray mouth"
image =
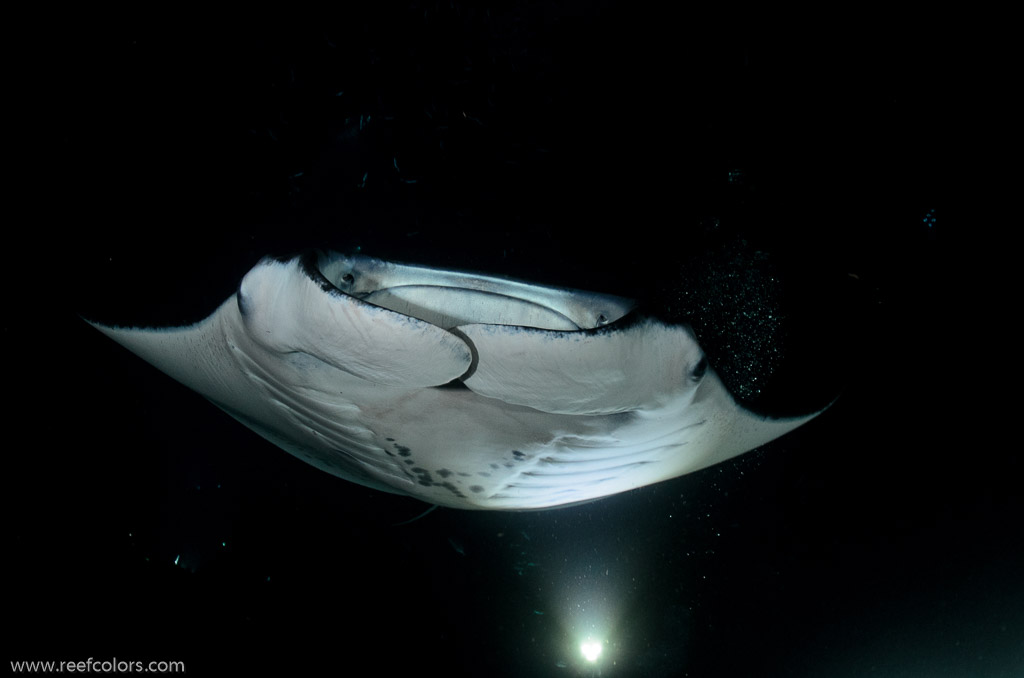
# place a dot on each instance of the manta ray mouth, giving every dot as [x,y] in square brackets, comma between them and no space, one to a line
[448,299]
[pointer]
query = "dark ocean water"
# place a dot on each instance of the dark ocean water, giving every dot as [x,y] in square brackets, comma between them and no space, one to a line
[585,145]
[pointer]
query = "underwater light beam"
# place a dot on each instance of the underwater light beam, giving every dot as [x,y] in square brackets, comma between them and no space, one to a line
[591,650]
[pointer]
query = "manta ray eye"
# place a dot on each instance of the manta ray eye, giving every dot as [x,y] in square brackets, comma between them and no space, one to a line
[697,373]
[348,279]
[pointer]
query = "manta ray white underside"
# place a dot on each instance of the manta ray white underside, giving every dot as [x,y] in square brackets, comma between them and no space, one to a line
[463,390]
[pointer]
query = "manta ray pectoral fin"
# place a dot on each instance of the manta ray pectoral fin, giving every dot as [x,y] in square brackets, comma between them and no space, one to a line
[284,308]
[616,369]
[280,309]
[730,428]
[194,355]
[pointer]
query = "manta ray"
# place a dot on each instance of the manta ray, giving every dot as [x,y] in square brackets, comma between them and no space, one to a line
[464,390]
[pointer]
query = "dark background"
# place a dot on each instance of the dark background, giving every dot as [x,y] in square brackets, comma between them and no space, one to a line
[707,170]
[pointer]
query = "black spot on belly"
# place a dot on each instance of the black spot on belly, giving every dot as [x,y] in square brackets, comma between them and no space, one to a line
[451,488]
[424,476]
[402,450]
[444,473]
[476,488]
[518,455]
[495,467]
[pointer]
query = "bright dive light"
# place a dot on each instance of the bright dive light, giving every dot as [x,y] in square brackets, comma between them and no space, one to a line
[591,650]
